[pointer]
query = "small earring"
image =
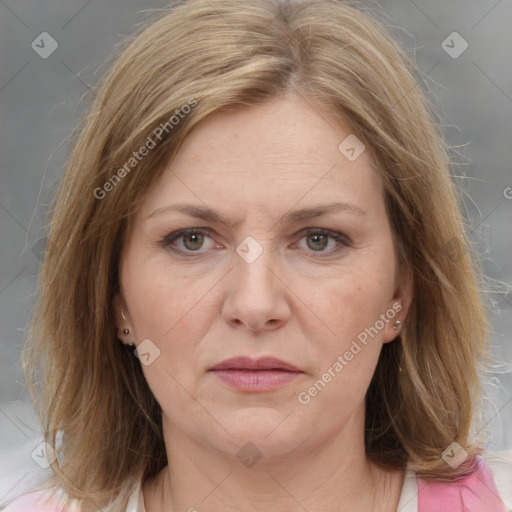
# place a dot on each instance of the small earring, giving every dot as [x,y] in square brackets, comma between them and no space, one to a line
[397,325]
[122,314]
[126,331]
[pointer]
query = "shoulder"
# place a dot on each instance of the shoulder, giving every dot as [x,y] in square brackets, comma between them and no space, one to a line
[40,501]
[489,486]
[25,482]
[25,485]
[56,500]
[500,464]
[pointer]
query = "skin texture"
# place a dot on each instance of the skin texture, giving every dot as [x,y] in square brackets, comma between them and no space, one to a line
[300,301]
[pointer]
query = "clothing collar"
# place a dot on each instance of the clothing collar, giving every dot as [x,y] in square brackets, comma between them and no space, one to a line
[408,498]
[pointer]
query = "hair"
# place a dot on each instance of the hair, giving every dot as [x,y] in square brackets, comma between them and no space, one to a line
[216,55]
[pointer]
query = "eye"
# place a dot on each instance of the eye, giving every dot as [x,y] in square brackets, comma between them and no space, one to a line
[318,240]
[189,240]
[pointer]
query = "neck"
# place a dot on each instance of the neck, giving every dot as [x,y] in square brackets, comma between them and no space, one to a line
[333,476]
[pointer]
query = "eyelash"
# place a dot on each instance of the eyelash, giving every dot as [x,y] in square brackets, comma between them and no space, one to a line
[338,237]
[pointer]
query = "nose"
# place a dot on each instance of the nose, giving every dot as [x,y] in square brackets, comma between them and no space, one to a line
[257,297]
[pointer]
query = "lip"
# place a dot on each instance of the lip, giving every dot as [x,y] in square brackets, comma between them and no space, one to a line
[263,363]
[263,374]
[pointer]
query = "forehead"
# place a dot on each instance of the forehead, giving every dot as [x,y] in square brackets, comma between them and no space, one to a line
[284,150]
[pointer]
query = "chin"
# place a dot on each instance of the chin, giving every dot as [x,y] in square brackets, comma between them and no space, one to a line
[272,432]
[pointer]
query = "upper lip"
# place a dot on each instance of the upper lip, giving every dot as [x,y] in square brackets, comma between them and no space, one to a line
[263,363]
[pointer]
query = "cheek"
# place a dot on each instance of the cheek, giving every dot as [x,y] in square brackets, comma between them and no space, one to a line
[160,299]
[166,310]
[348,351]
[175,313]
[357,299]
[350,308]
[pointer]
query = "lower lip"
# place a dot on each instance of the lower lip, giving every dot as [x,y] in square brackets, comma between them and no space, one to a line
[256,380]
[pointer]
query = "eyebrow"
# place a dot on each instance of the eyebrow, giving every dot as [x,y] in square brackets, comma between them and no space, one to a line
[207,214]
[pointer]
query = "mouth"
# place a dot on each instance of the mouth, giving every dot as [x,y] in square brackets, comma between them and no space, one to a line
[264,374]
[262,364]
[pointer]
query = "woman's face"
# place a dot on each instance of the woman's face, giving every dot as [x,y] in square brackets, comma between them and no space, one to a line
[301,268]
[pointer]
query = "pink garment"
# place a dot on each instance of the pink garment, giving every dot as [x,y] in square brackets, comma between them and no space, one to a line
[474,493]
[35,501]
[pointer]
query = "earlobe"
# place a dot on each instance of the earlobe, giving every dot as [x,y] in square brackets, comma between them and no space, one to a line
[122,320]
[400,305]
[395,317]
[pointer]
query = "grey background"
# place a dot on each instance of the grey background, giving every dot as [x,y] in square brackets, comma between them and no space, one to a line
[40,105]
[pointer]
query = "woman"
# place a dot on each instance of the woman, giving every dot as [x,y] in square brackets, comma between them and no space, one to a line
[259,201]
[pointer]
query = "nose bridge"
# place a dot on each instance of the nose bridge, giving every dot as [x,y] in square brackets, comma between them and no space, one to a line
[254,297]
[254,263]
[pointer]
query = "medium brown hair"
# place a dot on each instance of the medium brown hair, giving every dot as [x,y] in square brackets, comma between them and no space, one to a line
[90,392]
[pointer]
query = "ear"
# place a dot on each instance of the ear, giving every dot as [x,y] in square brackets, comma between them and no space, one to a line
[399,304]
[122,319]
